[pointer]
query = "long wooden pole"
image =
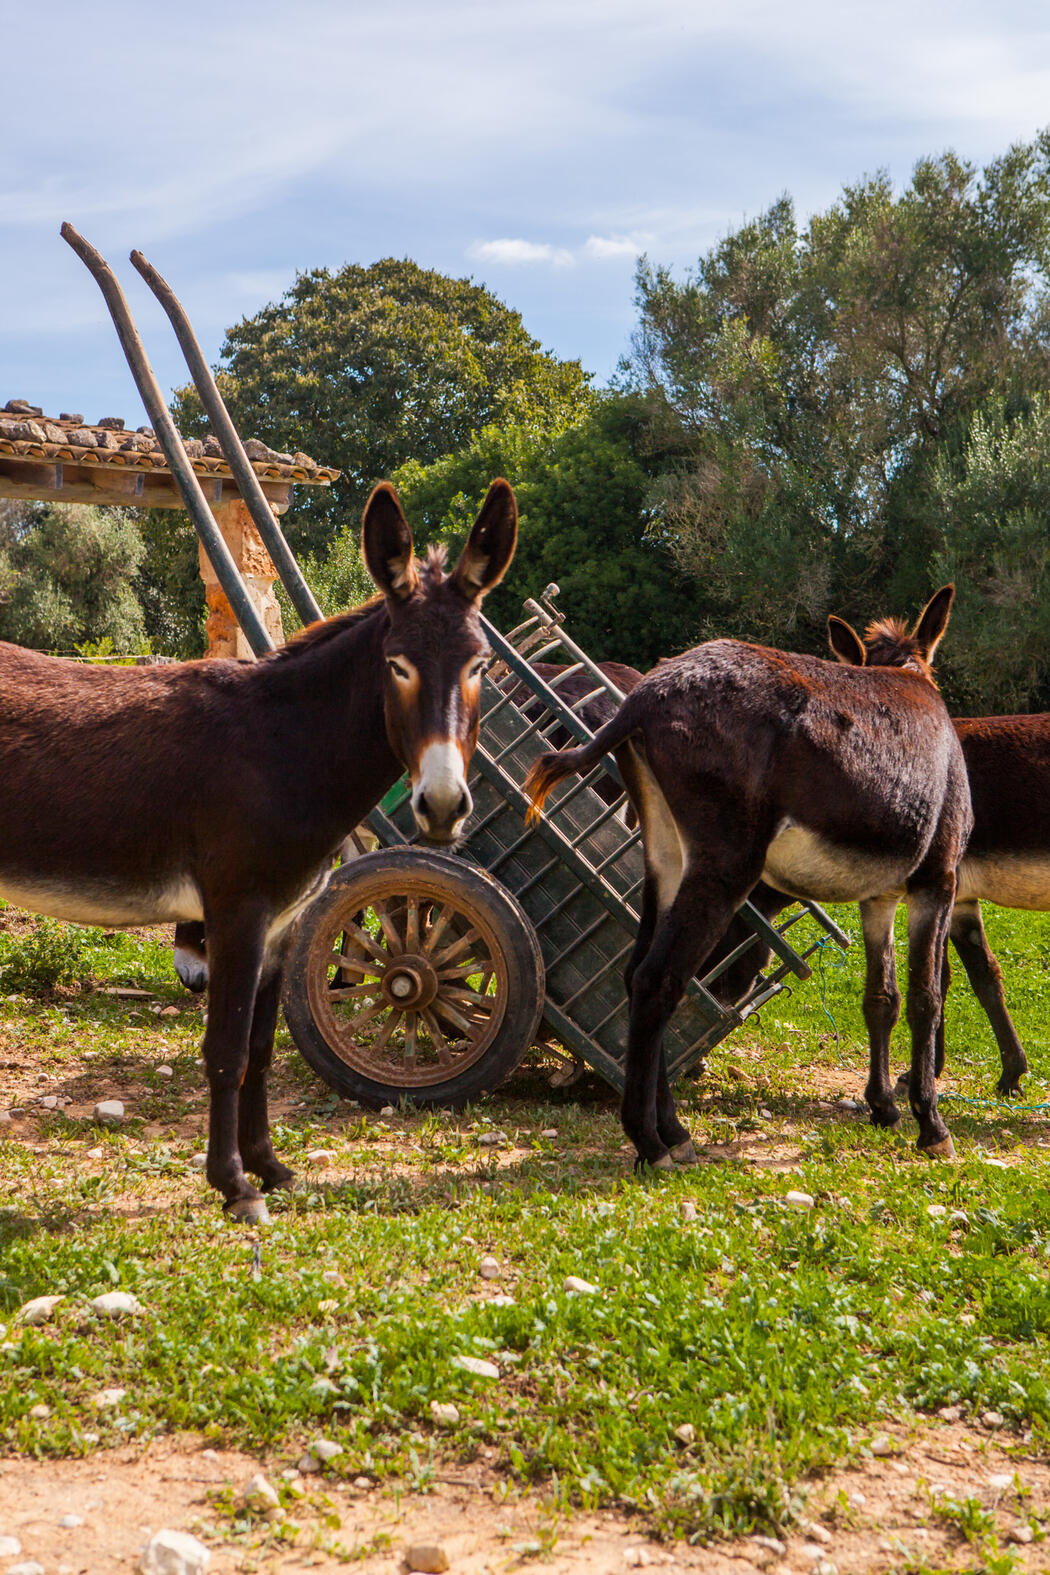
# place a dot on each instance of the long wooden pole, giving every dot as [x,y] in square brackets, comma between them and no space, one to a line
[219,554]
[231,445]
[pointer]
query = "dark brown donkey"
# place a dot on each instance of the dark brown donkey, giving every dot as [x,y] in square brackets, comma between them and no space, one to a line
[837,783]
[220,790]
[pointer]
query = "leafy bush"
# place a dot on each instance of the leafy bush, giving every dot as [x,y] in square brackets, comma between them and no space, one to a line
[49,955]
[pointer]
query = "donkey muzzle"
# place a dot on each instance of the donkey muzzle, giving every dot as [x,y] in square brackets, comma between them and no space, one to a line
[441,800]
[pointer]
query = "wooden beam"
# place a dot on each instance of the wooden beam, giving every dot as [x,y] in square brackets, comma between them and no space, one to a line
[36,480]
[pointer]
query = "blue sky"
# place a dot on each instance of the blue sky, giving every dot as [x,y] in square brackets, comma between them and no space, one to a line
[539,147]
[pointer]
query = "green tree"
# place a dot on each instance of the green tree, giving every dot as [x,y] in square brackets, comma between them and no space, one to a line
[67,577]
[367,368]
[583,524]
[814,376]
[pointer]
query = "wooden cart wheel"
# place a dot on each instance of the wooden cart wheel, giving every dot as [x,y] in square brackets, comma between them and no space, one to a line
[415,975]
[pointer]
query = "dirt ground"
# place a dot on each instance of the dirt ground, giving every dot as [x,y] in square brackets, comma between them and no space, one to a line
[875,1518]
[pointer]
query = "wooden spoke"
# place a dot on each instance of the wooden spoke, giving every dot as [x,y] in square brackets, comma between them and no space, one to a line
[449,1012]
[444,1055]
[369,942]
[389,928]
[411,1039]
[438,927]
[352,1024]
[352,964]
[412,925]
[383,1040]
[470,939]
[459,992]
[352,992]
[464,970]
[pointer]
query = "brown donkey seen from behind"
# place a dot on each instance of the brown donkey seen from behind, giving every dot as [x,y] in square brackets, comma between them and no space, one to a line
[220,791]
[834,783]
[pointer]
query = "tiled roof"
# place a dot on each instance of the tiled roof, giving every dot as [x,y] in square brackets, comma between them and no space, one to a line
[26,433]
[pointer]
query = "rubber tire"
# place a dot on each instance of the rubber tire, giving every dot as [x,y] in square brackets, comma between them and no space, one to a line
[520,949]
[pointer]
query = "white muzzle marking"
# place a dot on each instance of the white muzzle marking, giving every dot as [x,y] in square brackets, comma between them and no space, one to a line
[441,800]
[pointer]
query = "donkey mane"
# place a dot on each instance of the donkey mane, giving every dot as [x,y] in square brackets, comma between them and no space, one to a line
[890,644]
[324,631]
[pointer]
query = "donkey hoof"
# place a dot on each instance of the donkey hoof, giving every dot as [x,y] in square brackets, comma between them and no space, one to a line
[684,1153]
[249,1211]
[641,1165]
[945,1149]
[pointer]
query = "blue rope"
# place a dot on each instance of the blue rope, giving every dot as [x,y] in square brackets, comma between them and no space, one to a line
[840,962]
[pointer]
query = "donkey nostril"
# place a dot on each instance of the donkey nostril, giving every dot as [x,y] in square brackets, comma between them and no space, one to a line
[463,807]
[422,807]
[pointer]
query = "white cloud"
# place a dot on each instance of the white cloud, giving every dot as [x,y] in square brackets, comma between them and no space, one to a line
[515,252]
[607,248]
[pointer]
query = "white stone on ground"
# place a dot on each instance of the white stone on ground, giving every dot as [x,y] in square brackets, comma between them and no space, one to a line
[198,1161]
[492,1139]
[1020,1534]
[174,1553]
[27,1567]
[685,1433]
[549,1132]
[428,1558]
[499,1301]
[637,1557]
[50,1102]
[108,1397]
[936,1211]
[577,1287]
[40,1413]
[388,1110]
[324,1449]
[950,1413]
[443,1415]
[321,1156]
[688,1212]
[165,1071]
[993,1418]
[881,1445]
[38,1311]
[308,1465]
[9,1547]
[259,1493]
[489,1268]
[818,1532]
[71,1522]
[117,1304]
[798,1200]
[475,1365]
[772,1545]
[5,1118]
[363,1483]
[94,1153]
[110,1112]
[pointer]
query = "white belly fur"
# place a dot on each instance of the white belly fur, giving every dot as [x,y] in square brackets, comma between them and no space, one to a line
[1014,881]
[178,902]
[801,863]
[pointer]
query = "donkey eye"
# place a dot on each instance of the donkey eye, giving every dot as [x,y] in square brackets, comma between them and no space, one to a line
[398,669]
[477,667]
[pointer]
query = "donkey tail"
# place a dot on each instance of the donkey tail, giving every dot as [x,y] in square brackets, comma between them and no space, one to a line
[549,769]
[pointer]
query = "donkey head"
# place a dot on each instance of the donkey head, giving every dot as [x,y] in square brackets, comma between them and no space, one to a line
[435,648]
[888,643]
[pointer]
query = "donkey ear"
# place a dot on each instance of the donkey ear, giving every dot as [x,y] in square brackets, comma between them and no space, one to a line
[933,620]
[490,546]
[386,544]
[846,642]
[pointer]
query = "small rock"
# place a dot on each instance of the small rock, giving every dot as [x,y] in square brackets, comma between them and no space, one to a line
[94,1153]
[429,1558]
[950,1413]
[550,1133]
[388,1110]
[198,1161]
[325,1449]
[992,1418]
[26,1567]
[936,1211]
[38,1311]
[168,1011]
[499,1301]
[577,1287]
[40,1413]
[308,1465]
[1001,1479]
[321,1156]
[772,1545]
[637,1558]
[766,1115]
[9,1547]
[857,1499]
[475,1365]
[71,1522]
[443,1415]
[108,1397]
[259,1493]
[685,1433]
[110,1113]
[50,1102]
[492,1139]
[881,1445]
[333,1277]
[825,1567]
[688,1212]
[165,1071]
[818,1532]
[1020,1534]
[174,1553]
[798,1200]
[489,1268]
[117,1304]
[5,1118]
[363,1483]
[959,1217]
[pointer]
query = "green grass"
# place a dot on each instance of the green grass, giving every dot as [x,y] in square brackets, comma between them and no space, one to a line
[786,1337]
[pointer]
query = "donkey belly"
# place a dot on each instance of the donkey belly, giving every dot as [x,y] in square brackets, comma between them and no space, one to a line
[100,902]
[1015,880]
[801,863]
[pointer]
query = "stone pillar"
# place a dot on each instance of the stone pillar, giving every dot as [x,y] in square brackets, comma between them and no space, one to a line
[240,535]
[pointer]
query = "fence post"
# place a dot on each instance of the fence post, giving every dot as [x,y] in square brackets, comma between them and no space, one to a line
[240,535]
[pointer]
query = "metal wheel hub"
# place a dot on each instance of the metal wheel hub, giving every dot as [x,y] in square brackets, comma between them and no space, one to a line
[409,983]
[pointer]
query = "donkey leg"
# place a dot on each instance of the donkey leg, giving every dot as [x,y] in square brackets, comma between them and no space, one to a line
[882,1005]
[236,953]
[253,1126]
[643,939]
[670,1128]
[929,915]
[939,1046]
[986,980]
[684,935]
